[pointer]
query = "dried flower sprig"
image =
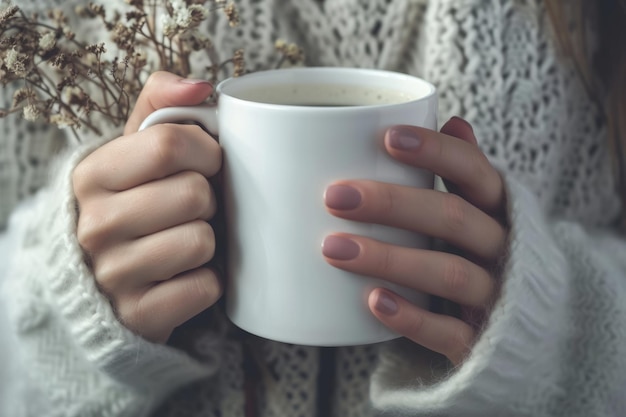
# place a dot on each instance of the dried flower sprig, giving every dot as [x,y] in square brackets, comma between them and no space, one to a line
[290,53]
[64,81]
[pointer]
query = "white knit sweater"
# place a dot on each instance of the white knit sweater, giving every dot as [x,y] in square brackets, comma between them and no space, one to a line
[554,345]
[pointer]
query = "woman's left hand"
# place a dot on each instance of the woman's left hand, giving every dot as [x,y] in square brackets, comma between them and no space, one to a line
[468,218]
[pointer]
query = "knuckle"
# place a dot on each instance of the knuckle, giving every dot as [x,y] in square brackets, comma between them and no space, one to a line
[81,183]
[215,157]
[385,261]
[208,286]
[107,275]
[116,303]
[195,194]
[412,326]
[440,149]
[131,312]
[387,201]
[456,277]
[200,242]
[481,169]
[167,147]
[454,212]
[91,231]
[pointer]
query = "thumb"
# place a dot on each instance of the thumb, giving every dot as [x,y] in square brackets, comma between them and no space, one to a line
[164,89]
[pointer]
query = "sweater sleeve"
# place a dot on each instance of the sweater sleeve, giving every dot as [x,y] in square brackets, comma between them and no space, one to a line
[555,342]
[70,348]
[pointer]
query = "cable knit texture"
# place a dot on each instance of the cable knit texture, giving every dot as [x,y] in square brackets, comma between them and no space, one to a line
[554,344]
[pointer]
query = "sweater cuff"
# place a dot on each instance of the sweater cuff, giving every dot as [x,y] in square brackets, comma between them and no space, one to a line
[125,356]
[514,357]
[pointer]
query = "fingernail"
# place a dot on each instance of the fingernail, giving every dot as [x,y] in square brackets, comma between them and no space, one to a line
[340,248]
[342,197]
[193,81]
[403,138]
[385,304]
[465,122]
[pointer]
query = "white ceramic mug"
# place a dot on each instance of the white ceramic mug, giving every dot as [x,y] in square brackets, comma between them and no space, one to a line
[286,135]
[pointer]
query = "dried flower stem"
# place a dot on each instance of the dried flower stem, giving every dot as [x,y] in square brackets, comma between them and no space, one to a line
[62,80]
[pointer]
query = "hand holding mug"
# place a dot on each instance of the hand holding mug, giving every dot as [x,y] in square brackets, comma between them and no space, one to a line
[144,201]
[468,218]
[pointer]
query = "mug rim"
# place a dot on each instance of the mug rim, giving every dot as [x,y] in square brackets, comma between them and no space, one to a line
[396,77]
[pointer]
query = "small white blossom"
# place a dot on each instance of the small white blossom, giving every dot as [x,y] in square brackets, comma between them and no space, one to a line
[47,41]
[11,58]
[180,13]
[170,28]
[178,5]
[31,113]
[183,18]
[16,62]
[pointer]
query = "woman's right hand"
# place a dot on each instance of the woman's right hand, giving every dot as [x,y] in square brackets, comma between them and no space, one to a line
[144,200]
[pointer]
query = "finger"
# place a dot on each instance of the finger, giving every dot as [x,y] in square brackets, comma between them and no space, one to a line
[154,258]
[446,335]
[459,128]
[163,89]
[144,210]
[151,154]
[156,312]
[437,273]
[441,215]
[457,161]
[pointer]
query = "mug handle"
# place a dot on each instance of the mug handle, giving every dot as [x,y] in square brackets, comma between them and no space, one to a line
[205,114]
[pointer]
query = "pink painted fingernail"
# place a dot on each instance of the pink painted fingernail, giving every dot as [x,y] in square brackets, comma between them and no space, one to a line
[403,138]
[465,122]
[385,304]
[193,81]
[342,197]
[340,248]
